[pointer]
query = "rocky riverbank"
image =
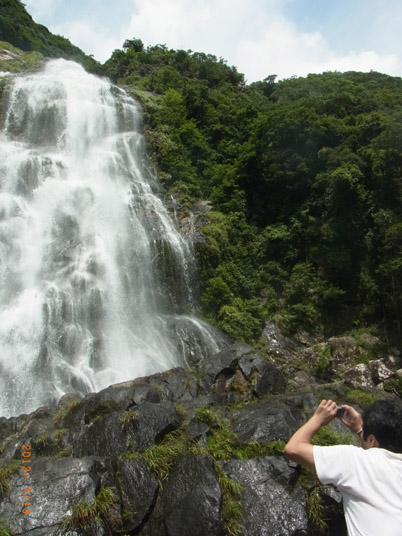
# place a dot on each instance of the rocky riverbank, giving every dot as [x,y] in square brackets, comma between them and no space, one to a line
[191,451]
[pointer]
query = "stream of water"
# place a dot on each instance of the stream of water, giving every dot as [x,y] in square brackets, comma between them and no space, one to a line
[95,279]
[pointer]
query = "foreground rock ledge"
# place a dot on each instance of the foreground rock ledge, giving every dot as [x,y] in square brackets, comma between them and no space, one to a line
[93,468]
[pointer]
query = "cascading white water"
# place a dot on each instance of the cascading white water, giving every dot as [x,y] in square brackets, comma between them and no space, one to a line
[95,280]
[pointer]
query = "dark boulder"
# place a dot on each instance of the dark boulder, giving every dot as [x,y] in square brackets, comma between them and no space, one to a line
[132,430]
[270,381]
[190,501]
[223,365]
[272,503]
[267,421]
[55,485]
[37,424]
[239,368]
[175,385]
[138,491]
[251,362]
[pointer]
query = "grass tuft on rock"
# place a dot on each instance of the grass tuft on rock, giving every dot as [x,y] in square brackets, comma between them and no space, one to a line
[232,507]
[5,474]
[86,518]
[4,530]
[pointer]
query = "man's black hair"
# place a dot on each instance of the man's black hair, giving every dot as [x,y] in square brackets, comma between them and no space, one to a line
[383,419]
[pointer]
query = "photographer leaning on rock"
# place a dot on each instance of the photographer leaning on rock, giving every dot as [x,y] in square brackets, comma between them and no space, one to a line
[369,478]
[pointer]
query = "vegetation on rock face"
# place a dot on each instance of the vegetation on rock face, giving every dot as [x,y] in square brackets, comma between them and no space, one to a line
[362,398]
[232,507]
[87,519]
[161,457]
[304,177]
[5,474]
[317,512]
[18,29]
[14,60]
[4,531]
[65,412]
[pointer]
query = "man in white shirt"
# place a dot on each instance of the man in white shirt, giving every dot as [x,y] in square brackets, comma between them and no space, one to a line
[369,478]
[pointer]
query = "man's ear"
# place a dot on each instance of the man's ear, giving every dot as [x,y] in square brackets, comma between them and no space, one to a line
[372,441]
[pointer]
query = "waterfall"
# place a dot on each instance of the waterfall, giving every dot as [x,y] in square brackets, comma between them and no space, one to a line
[95,279]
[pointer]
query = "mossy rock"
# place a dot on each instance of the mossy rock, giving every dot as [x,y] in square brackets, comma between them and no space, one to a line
[14,60]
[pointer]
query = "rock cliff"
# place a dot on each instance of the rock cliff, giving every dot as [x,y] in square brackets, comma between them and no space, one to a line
[190,451]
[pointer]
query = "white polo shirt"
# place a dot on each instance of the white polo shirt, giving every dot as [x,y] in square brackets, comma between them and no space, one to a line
[370,482]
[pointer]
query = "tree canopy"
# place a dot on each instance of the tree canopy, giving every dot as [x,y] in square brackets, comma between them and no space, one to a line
[305,177]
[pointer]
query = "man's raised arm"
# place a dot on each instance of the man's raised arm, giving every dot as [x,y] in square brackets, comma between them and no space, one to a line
[299,448]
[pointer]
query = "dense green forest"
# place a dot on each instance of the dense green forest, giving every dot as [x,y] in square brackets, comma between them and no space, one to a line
[304,176]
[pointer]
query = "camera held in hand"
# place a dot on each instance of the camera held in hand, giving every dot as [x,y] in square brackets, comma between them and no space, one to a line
[341,412]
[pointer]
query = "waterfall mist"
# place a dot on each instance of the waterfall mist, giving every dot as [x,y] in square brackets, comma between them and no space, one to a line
[95,279]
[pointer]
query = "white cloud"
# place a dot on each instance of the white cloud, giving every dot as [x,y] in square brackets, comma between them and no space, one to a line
[212,26]
[365,61]
[89,39]
[255,36]
[39,9]
[286,52]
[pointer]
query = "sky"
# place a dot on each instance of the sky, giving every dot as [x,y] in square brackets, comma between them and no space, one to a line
[259,37]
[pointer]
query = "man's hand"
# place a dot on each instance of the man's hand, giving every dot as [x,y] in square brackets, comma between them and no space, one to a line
[352,419]
[299,447]
[326,412]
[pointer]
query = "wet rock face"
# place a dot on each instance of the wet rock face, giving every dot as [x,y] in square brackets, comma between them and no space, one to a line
[154,456]
[234,366]
[273,503]
[122,431]
[267,421]
[57,485]
[138,492]
[190,501]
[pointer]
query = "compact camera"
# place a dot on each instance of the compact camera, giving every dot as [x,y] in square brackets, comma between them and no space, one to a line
[340,413]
